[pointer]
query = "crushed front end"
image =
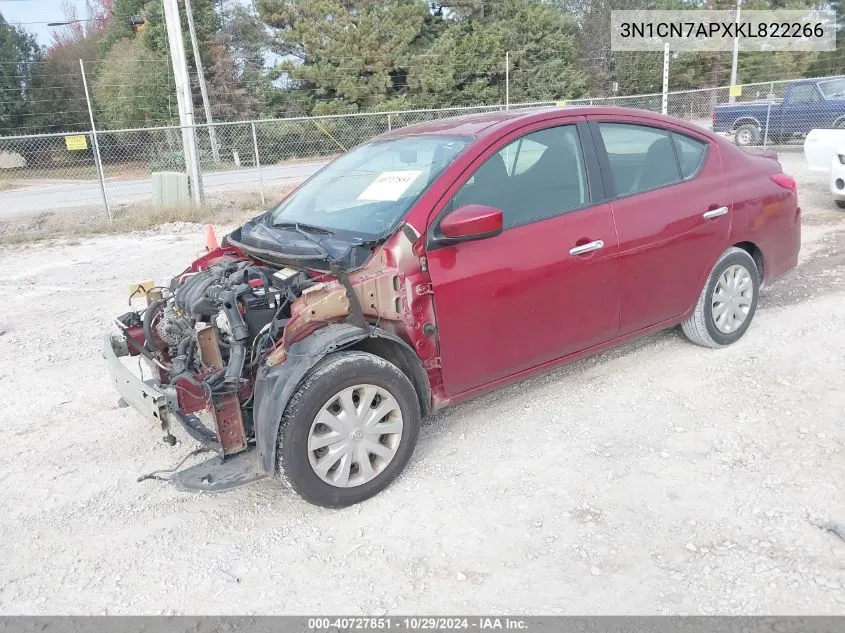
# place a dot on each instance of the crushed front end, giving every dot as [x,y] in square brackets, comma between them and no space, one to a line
[226,341]
[202,339]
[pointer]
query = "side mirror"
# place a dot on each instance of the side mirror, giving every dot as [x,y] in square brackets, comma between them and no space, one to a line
[471,222]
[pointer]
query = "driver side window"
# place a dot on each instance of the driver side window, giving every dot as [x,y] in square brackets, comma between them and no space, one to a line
[538,176]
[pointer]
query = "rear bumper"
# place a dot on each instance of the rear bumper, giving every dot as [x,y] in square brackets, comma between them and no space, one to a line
[146,397]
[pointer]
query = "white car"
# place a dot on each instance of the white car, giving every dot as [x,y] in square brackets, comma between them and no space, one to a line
[824,150]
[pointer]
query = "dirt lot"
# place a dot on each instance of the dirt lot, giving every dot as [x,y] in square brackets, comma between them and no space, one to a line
[657,478]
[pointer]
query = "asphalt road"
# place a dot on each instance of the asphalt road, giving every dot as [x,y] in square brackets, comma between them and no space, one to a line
[57,195]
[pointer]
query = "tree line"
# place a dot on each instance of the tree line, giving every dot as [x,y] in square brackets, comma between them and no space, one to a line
[282,58]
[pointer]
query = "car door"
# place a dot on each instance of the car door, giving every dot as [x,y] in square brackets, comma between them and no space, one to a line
[672,217]
[547,285]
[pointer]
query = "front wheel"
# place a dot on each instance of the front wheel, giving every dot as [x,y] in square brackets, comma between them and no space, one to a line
[727,303]
[840,203]
[348,430]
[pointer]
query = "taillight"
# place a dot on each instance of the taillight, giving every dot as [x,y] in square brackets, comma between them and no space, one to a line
[787,182]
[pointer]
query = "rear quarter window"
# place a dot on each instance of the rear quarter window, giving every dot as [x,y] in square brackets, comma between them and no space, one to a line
[690,153]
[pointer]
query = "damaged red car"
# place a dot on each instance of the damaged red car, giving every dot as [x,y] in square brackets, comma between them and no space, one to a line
[440,261]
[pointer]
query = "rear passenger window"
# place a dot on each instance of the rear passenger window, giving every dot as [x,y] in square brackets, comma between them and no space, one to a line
[641,157]
[690,153]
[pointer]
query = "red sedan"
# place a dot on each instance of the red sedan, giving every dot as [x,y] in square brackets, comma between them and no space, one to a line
[443,260]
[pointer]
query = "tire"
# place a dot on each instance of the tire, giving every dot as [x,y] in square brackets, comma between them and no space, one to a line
[840,203]
[747,134]
[347,375]
[702,327]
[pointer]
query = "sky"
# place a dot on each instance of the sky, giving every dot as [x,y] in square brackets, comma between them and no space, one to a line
[33,15]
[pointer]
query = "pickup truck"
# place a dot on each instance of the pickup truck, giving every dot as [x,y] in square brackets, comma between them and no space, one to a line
[807,104]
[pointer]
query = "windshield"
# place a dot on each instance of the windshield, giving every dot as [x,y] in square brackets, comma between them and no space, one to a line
[367,191]
[833,89]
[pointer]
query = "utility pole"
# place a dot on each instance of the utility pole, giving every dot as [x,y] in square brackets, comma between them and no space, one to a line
[212,136]
[732,98]
[97,158]
[183,96]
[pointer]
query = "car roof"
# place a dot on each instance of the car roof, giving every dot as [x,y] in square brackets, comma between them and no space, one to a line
[494,122]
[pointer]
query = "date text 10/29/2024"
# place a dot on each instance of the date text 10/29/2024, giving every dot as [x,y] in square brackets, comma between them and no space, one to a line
[432,623]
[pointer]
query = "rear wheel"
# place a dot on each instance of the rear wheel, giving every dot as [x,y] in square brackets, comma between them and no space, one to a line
[727,303]
[348,430]
[840,204]
[747,134]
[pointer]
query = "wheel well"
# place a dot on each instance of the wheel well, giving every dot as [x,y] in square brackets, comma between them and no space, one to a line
[745,121]
[405,360]
[752,249]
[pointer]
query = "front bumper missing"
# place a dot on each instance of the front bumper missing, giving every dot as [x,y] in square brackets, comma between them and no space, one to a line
[143,396]
[150,400]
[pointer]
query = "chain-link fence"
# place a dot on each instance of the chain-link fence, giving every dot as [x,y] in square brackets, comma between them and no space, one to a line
[55,172]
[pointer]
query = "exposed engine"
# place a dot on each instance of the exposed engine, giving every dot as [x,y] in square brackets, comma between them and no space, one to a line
[246,305]
[209,330]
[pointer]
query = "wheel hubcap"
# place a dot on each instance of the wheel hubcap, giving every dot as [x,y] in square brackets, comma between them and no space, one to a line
[732,298]
[355,436]
[744,137]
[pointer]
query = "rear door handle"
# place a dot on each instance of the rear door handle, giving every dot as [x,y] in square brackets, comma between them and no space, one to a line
[715,213]
[586,248]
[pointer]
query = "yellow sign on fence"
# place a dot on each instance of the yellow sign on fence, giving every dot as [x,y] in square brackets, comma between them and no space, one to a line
[560,104]
[735,91]
[78,142]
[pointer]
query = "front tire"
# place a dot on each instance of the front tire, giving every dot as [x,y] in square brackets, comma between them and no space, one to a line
[727,303]
[747,134]
[349,429]
[840,203]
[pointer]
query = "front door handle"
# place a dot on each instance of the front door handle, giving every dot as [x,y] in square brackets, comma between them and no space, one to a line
[715,213]
[586,248]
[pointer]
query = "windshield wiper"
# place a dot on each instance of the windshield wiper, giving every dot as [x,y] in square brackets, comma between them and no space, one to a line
[300,227]
[296,226]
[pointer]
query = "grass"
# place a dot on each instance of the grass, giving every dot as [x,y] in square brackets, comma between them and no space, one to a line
[228,208]
[78,171]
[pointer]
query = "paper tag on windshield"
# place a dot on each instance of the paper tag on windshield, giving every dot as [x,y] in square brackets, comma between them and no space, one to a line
[389,185]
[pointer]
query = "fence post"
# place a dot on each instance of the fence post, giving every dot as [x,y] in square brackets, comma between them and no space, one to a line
[97,160]
[258,163]
[389,123]
[665,102]
[507,80]
[768,113]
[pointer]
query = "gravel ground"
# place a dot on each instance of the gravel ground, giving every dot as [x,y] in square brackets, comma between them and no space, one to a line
[657,478]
